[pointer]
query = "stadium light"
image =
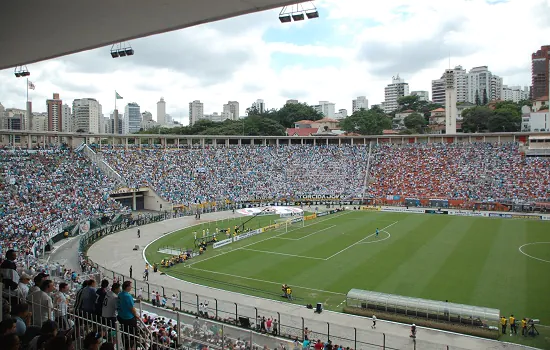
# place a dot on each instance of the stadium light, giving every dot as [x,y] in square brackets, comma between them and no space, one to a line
[121,50]
[298,13]
[21,71]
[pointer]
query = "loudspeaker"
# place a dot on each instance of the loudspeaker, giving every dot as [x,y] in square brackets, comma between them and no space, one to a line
[245,322]
[319,308]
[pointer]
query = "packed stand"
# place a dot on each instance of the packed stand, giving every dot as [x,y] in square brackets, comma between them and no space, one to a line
[45,189]
[186,176]
[474,171]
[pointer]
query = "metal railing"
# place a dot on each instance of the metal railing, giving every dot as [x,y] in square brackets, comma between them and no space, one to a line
[103,165]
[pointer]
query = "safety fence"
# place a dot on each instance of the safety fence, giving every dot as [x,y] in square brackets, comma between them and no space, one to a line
[49,316]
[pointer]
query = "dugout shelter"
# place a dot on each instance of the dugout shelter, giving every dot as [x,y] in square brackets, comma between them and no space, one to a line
[418,308]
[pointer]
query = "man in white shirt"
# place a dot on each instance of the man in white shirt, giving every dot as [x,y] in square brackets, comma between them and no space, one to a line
[41,303]
[61,305]
[108,312]
[173,301]
[23,286]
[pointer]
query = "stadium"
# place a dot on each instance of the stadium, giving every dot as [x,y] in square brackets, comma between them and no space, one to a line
[153,241]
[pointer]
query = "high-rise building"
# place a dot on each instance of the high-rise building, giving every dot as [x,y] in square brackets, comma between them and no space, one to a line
[169,119]
[40,122]
[496,88]
[132,118]
[146,116]
[451,111]
[259,105]
[514,93]
[483,86]
[2,116]
[86,114]
[292,101]
[115,123]
[540,73]
[196,111]
[328,109]
[161,111]
[422,95]
[342,114]
[14,118]
[461,86]
[66,118]
[359,103]
[55,113]
[438,91]
[233,108]
[398,88]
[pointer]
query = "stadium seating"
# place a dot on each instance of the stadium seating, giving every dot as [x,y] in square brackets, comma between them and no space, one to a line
[477,171]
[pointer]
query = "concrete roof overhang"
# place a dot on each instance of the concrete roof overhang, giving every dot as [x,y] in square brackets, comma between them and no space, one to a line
[32,31]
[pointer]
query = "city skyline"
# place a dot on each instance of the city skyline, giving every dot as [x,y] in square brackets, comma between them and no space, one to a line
[350,51]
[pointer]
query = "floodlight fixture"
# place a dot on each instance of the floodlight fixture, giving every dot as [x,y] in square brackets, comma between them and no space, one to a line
[121,50]
[298,17]
[312,14]
[21,71]
[285,18]
[298,13]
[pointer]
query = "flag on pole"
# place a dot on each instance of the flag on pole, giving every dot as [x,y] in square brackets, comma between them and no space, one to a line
[117,96]
[31,85]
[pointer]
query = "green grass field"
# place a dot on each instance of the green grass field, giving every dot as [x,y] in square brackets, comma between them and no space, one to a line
[467,260]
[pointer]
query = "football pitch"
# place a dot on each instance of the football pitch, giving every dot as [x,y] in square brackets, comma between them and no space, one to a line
[469,260]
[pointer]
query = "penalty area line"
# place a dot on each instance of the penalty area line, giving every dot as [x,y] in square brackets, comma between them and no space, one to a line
[285,254]
[358,242]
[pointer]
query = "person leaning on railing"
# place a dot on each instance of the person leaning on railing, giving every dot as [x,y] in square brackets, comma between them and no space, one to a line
[127,314]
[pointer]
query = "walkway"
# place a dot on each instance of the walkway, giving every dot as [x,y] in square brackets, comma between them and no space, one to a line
[116,252]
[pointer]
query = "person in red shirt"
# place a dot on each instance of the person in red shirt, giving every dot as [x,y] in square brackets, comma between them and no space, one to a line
[319,345]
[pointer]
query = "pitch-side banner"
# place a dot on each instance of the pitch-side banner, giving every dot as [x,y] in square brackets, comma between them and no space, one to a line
[222,243]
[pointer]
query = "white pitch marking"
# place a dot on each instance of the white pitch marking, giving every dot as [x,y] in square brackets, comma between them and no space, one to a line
[260,241]
[533,257]
[264,281]
[341,304]
[354,244]
[285,254]
[378,240]
[311,234]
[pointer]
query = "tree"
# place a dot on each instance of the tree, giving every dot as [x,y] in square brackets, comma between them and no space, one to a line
[371,122]
[416,122]
[485,98]
[293,112]
[411,102]
[478,99]
[504,123]
[475,119]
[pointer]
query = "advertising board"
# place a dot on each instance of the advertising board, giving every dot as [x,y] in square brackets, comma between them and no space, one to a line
[222,243]
[247,235]
[500,215]
[369,208]
[403,210]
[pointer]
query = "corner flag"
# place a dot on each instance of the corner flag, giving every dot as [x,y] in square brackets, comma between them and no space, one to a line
[117,96]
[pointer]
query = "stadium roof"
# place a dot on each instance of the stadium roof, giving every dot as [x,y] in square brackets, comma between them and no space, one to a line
[33,31]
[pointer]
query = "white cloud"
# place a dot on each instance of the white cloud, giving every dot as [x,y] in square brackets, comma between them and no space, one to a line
[230,60]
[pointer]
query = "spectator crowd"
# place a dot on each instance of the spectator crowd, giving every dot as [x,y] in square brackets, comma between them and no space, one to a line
[476,171]
[471,171]
[41,190]
[186,176]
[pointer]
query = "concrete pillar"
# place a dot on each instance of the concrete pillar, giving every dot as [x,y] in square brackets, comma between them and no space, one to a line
[202,142]
[339,141]
[314,141]
[302,141]
[240,142]
[351,141]
[134,204]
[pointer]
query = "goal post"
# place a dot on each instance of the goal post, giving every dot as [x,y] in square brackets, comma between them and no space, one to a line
[284,223]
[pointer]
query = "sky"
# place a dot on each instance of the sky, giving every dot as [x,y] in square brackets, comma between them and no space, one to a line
[353,49]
